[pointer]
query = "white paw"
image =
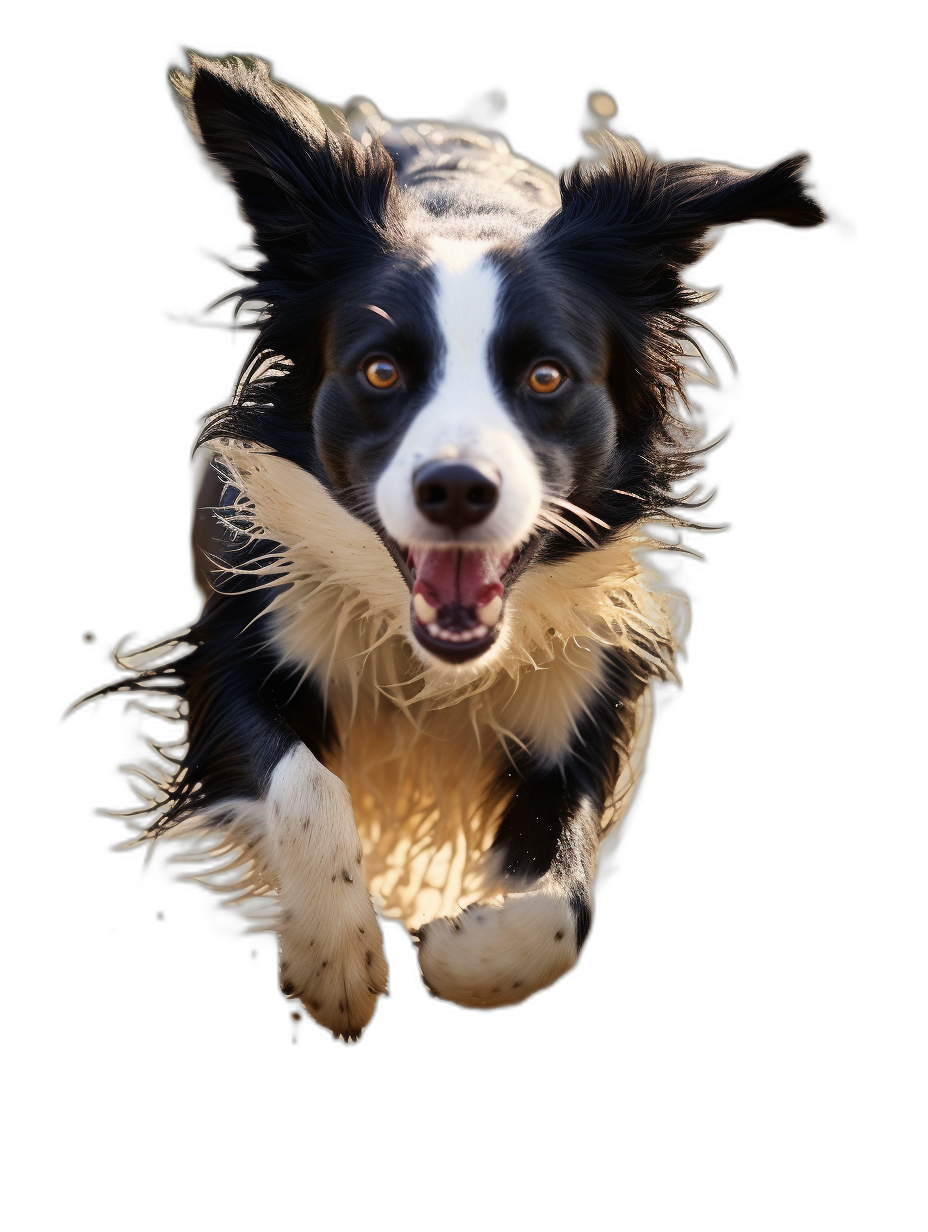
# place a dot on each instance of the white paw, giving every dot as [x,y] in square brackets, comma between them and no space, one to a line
[495,955]
[331,956]
[331,952]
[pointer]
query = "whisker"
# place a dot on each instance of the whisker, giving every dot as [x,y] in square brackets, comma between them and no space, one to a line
[588,517]
[553,521]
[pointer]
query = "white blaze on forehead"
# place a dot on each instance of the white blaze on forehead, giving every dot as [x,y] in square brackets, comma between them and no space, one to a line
[464,418]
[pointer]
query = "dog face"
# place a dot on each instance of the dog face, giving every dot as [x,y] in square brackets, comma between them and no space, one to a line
[490,385]
[463,404]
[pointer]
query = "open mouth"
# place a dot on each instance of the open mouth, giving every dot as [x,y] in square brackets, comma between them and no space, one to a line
[458,597]
[458,594]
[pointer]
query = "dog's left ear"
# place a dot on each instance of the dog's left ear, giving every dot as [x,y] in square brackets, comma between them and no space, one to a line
[628,225]
[627,201]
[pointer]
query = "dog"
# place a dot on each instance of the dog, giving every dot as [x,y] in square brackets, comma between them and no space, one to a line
[421,676]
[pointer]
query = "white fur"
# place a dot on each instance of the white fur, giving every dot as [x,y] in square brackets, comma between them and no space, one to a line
[406,729]
[495,955]
[293,859]
[465,418]
[331,952]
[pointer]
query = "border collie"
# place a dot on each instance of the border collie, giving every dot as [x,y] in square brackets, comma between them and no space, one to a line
[421,675]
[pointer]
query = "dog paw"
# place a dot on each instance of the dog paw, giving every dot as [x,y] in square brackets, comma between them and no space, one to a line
[496,955]
[336,967]
[331,951]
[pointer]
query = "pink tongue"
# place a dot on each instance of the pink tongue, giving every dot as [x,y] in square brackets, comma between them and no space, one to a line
[446,576]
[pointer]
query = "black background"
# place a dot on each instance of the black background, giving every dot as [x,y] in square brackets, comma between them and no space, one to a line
[720,941]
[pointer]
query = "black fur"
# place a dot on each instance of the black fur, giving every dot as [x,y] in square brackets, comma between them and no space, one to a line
[553,811]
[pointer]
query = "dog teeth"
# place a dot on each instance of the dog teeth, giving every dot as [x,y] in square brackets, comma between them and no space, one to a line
[490,613]
[427,616]
[423,609]
[464,635]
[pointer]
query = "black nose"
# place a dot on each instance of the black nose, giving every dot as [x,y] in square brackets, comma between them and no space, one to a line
[456,494]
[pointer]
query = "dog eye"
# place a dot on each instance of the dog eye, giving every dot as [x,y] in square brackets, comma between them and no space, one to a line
[545,378]
[381,373]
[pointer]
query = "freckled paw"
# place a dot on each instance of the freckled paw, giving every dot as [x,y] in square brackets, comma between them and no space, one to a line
[497,955]
[338,978]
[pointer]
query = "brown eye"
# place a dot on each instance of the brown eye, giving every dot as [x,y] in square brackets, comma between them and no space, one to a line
[381,373]
[545,378]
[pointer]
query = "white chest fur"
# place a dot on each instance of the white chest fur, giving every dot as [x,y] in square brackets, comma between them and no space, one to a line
[421,744]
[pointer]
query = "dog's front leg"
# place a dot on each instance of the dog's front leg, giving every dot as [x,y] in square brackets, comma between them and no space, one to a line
[331,953]
[495,954]
[545,851]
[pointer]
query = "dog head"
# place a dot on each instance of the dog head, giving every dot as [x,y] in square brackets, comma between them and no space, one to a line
[490,384]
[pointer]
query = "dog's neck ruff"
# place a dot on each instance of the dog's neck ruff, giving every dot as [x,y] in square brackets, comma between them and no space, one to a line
[433,736]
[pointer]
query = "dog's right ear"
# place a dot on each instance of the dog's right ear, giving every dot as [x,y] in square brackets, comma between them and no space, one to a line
[313,198]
